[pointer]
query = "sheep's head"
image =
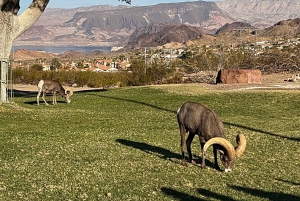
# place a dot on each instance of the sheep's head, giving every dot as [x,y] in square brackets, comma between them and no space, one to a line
[231,153]
[68,94]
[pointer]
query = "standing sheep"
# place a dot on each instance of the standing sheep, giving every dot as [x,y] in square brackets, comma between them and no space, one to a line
[197,119]
[49,86]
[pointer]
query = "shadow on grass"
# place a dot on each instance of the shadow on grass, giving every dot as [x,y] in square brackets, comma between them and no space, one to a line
[289,182]
[139,102]
[273,196]
[158,151]
[23,93]
[19,93]
[227,123]
[214,195]
[43,103]
[186,197]
[261,131]
[179,195]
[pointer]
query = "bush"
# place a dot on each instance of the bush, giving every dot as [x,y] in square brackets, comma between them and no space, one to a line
[91,79]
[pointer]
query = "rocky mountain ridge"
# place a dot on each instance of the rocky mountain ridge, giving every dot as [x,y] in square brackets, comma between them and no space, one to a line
[261,13]
[114,25]
[109,26]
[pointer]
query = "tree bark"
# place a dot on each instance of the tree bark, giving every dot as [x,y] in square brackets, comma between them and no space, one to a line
[12,25]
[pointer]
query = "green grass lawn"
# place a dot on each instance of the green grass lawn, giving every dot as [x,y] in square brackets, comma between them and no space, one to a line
[123,144]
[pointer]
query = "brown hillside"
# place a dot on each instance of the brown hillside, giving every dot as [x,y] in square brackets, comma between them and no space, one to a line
[31,55]
[168,34]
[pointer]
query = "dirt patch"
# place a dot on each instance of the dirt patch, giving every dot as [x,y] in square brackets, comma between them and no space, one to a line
[272,81]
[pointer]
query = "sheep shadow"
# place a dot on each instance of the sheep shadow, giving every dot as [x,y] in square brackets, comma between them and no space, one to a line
[258,193]
[272,196]
[43,103]
[179,195]
[186,197]
[158,151]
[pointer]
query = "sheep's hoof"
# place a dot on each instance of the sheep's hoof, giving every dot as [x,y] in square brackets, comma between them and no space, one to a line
[218,168]
[203,166]
[184,163]
[193,162]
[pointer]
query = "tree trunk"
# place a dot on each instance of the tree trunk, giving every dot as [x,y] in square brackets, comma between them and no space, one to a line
[12,25]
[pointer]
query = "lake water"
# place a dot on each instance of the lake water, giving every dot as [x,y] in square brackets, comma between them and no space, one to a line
[61,49]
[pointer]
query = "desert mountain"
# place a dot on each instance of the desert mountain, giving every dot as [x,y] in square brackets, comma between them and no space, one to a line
[284,28]
[109,25]
[261,13]
[115,24]
[159,34]
[233,26]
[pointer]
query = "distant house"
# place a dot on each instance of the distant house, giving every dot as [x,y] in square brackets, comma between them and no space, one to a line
[46,68]
[124,65]
[97,70]
[112,70]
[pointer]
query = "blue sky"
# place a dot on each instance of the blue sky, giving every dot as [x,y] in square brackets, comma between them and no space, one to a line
[78,3]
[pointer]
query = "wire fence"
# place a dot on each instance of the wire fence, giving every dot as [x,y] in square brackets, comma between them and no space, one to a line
[6,81]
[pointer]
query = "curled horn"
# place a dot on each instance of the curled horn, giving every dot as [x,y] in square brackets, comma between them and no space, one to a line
[231,151]
[69,90]
[240,149]
[224,143]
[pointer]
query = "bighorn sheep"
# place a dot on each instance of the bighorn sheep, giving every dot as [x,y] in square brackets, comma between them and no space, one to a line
[195,118]
[49,86]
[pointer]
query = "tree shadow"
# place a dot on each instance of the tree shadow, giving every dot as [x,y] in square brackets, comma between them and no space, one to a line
[139,102]
[226,123]
[21,93]
[272,196]
[261,131]
[158,151]
[289,182]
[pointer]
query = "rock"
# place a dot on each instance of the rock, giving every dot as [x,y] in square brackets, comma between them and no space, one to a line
[231,76]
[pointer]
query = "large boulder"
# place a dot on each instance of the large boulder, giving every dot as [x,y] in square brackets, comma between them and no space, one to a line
[231,76]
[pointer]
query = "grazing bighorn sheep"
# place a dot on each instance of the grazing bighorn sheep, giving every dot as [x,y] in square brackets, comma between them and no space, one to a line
[49,86]
[195,118]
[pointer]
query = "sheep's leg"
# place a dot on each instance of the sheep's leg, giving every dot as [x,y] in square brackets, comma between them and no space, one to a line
[203,159]
[216,165]
[38,98]
[54,98]
[202,142]
[43,97]
[182,144]
[188,146]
